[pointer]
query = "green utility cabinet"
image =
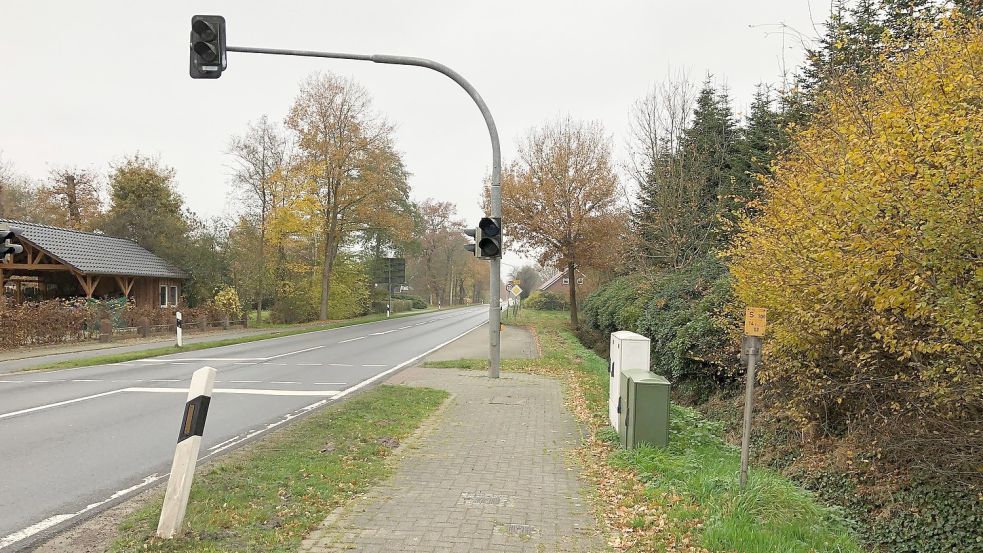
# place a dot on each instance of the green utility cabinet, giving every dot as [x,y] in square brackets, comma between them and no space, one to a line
[644,415]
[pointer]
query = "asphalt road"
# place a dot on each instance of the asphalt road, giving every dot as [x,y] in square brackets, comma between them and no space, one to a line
[75,441]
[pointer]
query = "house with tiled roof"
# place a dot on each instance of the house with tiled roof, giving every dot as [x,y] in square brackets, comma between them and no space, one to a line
[65,263]
[560,283]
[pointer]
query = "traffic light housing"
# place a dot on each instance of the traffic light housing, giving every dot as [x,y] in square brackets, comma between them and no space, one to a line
[207,48]
[7,248]
[475,234]
[487,238]
[490,242]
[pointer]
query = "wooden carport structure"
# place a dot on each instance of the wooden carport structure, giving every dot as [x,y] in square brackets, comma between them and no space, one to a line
[64,263]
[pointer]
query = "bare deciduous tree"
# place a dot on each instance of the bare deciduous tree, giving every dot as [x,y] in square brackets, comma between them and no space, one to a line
[76,192]
[261,157]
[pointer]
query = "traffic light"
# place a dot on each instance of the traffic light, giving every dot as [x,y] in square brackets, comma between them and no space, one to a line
[475,234]
[208,58]
[7,248]
[487,238]
[490,242]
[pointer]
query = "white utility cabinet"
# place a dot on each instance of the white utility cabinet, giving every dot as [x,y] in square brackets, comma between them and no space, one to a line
[628,351]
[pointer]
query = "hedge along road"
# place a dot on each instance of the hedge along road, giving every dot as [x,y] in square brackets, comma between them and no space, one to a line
[77,441]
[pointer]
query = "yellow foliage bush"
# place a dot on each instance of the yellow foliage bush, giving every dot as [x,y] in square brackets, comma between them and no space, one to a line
[227,300]
[868,251]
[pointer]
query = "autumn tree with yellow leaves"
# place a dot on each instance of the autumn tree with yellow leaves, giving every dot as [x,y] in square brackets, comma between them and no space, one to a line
[352,177]
[868,254]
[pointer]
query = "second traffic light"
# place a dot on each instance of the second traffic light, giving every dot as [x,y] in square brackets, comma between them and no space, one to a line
[7,248]
[208,57]
[487,238]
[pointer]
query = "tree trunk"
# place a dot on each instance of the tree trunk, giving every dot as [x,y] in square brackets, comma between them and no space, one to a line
[572,270]
[330,250]
[262,264]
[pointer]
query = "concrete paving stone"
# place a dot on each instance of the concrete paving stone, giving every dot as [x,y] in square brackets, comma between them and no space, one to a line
[493,474]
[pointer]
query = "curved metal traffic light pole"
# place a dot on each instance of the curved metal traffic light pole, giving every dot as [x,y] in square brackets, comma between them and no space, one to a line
[494,288]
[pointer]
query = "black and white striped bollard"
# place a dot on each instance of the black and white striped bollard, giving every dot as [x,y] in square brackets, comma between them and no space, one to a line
[186,453]
[177,328]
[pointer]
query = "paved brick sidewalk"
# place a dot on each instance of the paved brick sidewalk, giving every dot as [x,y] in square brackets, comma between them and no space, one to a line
[493,473]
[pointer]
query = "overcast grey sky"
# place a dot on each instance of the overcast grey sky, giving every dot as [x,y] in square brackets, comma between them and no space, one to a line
[84,83]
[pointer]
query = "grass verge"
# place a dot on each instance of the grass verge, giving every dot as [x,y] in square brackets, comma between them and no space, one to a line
[684,497]
[269,495]
[287,330]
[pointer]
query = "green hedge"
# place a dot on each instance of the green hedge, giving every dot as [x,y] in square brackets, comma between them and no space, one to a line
[417,301]
[547,301]
[683,312]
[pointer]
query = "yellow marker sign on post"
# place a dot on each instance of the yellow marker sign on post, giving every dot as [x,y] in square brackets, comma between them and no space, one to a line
[755,320]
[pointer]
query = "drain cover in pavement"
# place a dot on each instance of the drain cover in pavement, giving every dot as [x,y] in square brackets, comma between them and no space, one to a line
[481,498]
[520,529]
[506,400]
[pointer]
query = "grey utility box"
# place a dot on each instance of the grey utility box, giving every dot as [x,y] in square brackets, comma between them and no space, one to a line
[628,351]
[644,416]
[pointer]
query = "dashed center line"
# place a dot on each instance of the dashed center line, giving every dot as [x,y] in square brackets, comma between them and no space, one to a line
[310,364]
[351,340]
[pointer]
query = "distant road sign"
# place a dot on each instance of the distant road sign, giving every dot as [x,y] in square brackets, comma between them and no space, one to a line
[515,290]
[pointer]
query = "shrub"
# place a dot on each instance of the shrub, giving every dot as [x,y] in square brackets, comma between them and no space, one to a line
[227,301]
[297,302]
[416,301]
[688,321]
[546,301]
[867,255]
[618,304]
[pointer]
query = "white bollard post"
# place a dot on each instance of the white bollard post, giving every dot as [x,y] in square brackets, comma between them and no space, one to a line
[186,453]
[177,326]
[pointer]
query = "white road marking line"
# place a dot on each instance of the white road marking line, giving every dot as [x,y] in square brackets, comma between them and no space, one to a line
[218,445]
[250,363]
[338,365]
[178,363]
[276,364]
[245,381]
[283,382]
[293,353]
[310,364]
[381,333]
[51,521]
[124,364]
[11,381]
[351,340]
[404,327]
[384,374]
[85,380]
[156,360]
[45,381]
[56,404]
[245,391]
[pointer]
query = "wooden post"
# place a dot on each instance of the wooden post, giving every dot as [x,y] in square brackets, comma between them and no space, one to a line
[105,331]
[186,453]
